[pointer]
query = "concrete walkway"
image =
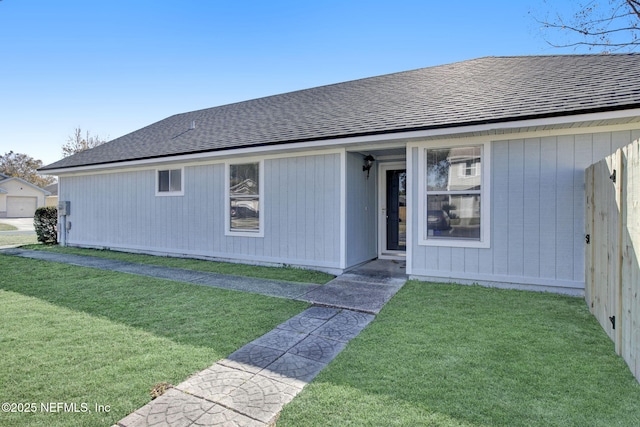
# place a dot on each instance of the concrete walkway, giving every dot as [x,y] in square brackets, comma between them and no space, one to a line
[250,387]
[365,289]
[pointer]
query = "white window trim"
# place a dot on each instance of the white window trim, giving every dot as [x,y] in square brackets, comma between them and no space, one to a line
[169,193]
[227,213]
[485,207]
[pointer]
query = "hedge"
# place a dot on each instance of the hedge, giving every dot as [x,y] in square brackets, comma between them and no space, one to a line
[45,222]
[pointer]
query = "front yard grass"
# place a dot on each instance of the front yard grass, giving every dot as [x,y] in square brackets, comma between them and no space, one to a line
[7,239]
[276,273]
[11,239]
[450,355]
[75,336]
[440,355]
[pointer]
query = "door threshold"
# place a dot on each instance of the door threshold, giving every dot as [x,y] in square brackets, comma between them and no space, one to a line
[393,255]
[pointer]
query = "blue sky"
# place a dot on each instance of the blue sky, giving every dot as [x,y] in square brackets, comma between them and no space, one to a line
[111,67]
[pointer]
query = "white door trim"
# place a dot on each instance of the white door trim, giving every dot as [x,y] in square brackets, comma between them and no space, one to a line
[384,253]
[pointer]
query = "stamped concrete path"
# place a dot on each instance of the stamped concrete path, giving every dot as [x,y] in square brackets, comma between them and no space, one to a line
[250,387]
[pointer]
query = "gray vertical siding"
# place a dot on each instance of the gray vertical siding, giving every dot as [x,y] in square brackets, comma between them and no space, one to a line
[537,215]
[300,206]
[362,230]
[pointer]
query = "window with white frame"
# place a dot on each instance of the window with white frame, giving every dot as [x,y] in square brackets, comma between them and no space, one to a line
[454,202]
[169,182]
[244,195]
[471,167]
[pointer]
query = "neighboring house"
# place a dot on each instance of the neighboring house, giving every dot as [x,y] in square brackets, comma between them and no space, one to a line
[52,198]
[499,144]
[19,198]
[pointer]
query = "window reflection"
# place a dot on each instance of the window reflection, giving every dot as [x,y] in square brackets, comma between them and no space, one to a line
[244,195]
[456,216]
[454,169]
[454,177]
[402,210]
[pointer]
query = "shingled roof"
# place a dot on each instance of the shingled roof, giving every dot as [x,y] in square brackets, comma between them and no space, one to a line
[478,91]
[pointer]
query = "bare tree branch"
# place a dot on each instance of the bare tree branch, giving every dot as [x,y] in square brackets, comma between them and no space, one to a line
[77,143]
[610,25]
[635,6]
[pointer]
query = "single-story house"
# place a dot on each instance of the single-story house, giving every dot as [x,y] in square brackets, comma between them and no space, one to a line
[472,172]
[19,198]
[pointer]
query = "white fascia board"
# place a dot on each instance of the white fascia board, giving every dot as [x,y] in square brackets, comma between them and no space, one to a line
[375,140]
[190,160]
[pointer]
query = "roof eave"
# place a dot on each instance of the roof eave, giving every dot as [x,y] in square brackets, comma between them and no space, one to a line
[632,110]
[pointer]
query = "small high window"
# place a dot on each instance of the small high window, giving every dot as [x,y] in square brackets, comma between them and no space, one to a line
[169,182]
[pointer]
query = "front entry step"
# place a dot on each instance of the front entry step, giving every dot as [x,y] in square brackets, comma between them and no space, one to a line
[366,289]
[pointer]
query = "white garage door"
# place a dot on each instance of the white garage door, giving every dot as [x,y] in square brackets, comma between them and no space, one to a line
[21,207]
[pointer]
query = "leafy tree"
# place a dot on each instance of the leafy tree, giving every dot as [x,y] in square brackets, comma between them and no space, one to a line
[24,166]
[606,25]
[77,143]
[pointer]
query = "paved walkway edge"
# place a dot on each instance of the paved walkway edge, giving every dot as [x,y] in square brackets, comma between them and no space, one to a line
[268,287]
[250,387]
[365,289]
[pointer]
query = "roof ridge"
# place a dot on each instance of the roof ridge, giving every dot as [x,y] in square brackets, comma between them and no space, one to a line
[488,89]
[328,85]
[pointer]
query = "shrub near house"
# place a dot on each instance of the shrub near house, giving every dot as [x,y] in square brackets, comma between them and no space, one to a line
[45,222]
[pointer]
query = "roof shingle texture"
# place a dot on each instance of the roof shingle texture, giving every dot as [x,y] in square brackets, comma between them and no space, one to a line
[484,90]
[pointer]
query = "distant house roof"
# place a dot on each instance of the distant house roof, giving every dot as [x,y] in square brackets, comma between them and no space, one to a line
[52,189]
[4,179]
[478,91]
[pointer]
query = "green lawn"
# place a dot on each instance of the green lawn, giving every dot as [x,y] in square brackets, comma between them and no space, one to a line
[441,355]
[277,273]
[17,239]
[8,239]
[449,355]
[78,335]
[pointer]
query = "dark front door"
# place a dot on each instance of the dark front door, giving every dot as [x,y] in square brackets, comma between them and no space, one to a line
[396,210]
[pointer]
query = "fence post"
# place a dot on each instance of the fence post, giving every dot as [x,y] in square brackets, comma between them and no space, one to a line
[617,249]
[589,282]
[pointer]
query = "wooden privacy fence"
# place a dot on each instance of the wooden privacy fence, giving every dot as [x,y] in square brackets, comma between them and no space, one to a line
[612,282]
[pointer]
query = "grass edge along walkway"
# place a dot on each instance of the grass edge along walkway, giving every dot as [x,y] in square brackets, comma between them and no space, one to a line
[290,274]
[81,335]
[452,355]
